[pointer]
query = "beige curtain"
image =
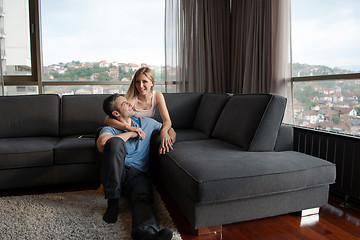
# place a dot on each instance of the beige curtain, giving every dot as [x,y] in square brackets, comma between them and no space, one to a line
[210,48]
[197,40]
[172,45]
[2,86]
[281,64]
[260,48]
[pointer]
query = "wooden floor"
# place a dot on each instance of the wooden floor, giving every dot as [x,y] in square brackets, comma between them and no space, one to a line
[333,222]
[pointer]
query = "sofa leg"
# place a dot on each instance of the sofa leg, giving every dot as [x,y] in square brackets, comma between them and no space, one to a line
[208,230]
[307,212]
[310,211]
[309,216]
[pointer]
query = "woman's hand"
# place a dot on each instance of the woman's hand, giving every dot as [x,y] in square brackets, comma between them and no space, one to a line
[166,143]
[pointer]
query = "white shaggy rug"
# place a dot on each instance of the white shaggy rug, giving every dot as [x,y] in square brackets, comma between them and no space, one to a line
[69,215]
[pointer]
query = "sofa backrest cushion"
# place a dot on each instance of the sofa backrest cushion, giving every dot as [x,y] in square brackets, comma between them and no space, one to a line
[209,111]
[82,114]
[29,116]
[251,121]
[182,108]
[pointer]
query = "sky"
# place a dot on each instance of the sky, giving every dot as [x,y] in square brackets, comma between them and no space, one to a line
[129,31]
[326,32]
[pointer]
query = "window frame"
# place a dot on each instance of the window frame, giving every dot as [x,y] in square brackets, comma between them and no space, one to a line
[345,77]
[349,76]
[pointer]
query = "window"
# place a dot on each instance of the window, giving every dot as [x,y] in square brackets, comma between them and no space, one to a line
[325,37]
[97,47]
[326,64]
[18,44]
[98,44]
[21,90]
[16,35]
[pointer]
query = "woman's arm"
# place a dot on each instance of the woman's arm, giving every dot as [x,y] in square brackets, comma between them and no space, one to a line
[166,121]
[172,134]
[166,140]
[112,122]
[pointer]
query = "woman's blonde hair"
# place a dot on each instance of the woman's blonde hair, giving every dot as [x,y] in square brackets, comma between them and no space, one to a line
[132,91]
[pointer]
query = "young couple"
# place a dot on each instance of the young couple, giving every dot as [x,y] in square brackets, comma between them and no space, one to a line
[125,143]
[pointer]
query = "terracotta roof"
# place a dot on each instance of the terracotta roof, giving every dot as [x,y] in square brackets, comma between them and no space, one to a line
[310,113]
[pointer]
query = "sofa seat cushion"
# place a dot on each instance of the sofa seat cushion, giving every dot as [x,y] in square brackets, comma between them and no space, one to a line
[189,135]
[73,149]
[214,170]
[181,135]
[26,152]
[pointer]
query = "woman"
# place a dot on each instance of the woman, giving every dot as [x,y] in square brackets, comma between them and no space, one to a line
[144,99]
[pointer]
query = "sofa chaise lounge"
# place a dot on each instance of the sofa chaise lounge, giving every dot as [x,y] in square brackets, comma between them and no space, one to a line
[233,161]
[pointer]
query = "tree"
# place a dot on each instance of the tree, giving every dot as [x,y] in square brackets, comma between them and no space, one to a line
[336,119]
[358,110]
[304,96]
[55,74]
[104,76]
[123,73]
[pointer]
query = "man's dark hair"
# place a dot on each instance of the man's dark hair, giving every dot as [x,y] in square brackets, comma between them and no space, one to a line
[109,104]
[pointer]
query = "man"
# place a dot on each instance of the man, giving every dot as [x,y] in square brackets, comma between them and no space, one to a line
[125,166]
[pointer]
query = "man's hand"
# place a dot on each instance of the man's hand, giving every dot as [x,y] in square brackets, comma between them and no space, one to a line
[126,137]
[138,131]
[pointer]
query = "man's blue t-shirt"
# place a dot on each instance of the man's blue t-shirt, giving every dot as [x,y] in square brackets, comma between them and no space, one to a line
[137,151]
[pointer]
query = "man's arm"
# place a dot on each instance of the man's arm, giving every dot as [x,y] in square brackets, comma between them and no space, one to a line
[100,143]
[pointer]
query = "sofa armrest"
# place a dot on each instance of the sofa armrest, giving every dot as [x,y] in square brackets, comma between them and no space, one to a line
[284,141]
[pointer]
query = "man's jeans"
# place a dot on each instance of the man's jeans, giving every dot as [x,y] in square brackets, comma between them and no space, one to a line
[134,184]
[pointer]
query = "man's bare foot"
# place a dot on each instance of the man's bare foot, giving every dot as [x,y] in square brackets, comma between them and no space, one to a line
[100,189]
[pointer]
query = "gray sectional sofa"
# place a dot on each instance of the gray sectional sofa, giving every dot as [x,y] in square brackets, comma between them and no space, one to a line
[232,161]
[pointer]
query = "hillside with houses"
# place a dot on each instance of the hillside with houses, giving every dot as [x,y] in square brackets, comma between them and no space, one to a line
[92,71]
[118,74]
[328,105]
